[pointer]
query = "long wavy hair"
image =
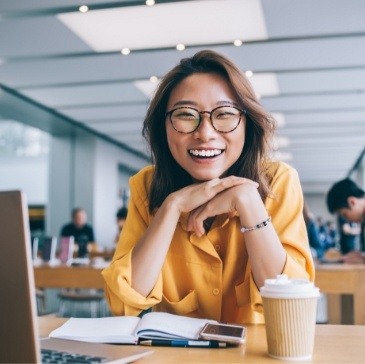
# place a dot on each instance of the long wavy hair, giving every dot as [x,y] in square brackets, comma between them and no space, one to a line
[168,175]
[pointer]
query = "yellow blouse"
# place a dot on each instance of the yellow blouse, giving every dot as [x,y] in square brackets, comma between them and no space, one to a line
[210,276]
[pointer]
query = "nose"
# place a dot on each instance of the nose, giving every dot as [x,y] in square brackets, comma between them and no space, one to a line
[205,130]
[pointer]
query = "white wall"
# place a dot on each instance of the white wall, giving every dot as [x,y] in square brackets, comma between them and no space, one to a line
[29,174]
[84,172]
[106,191]
[317,204]
[109,181]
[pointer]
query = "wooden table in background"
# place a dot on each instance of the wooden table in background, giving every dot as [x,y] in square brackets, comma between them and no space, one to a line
[337,279]
[68,277]
[333,279]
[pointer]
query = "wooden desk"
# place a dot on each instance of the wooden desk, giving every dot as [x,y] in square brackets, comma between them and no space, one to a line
[68,277]
[333,344]
[344,279]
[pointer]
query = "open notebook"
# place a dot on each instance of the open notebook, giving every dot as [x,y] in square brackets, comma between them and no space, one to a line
[20,342]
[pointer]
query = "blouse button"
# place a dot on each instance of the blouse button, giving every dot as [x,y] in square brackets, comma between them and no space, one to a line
[216,291]
[217,247]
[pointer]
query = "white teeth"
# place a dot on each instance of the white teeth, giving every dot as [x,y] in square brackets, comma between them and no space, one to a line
[205,153]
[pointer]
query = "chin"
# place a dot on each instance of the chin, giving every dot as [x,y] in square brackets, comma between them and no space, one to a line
[204,177]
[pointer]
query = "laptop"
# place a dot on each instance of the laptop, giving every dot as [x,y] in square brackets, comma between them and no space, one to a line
[20,341]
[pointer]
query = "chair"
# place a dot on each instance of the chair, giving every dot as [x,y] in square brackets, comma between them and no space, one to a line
[48,249]
[71,298]
[41,301]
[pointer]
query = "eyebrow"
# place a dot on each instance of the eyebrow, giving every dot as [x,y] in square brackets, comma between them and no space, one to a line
[194,103]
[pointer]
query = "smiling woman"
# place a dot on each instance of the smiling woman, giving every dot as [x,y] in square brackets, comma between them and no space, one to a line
[214,217]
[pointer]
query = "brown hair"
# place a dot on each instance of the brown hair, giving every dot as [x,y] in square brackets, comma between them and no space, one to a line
[168,175]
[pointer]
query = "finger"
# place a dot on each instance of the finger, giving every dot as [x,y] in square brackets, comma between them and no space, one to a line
[213,187]
[194,224]
[231,214]
[200,215]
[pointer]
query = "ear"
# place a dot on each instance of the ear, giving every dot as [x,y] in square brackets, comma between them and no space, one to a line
[351,200]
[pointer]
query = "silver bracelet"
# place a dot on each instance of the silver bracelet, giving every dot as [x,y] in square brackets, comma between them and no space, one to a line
[258,226]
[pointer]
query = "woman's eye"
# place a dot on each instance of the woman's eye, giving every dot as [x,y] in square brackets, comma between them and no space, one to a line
[224,115]
[186,115]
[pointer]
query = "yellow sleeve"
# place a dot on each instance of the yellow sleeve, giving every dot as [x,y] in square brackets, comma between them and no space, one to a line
[285,206]
[122,298]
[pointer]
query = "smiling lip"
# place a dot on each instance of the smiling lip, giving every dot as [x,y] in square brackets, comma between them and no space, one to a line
[205,153]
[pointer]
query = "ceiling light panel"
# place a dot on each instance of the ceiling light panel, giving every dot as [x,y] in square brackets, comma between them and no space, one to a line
[146,86]
[120,112]
[166,25]
[265,84]
[86,94]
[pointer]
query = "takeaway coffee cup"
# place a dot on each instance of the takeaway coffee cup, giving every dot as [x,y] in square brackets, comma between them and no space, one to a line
[290,307]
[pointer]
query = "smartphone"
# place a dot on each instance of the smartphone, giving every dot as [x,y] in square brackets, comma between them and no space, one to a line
[229,333]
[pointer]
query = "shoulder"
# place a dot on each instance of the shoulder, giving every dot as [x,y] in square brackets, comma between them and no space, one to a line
[67,226]
[143,178]
[140,184]
[279,171]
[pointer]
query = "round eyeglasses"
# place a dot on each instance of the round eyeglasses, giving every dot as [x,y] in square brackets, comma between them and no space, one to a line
[224,119]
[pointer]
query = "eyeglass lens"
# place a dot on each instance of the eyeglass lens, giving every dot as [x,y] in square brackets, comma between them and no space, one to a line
[223,118]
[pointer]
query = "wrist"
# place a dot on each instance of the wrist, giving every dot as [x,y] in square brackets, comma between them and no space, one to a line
[171,205]
[245,229]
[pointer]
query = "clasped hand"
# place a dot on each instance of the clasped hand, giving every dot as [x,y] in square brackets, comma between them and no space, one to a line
[214,197]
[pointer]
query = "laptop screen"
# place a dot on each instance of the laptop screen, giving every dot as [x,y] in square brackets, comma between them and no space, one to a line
[19,341]
[18,326]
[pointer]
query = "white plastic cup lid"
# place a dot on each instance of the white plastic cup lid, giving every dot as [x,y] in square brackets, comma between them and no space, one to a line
[283,287]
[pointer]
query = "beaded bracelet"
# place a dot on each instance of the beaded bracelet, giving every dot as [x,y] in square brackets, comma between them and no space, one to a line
[258,226]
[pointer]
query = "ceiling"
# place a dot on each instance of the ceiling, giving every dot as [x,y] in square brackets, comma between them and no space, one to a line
[307,59]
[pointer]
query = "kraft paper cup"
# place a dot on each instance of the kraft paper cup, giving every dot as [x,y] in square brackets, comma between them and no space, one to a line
[290,308]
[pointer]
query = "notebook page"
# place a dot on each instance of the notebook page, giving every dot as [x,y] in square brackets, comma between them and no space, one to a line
[165,325]
[118,329]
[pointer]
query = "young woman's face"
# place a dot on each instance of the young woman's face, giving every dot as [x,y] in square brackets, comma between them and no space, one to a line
[205,153]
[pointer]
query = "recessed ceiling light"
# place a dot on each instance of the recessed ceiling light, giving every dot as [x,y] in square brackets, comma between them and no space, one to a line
[83,9]
[249,74]
[153,79]
[237,42]
[125,51]
[150,2]
[180,47]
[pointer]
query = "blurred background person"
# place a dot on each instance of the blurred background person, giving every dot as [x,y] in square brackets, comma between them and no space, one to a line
[121,217]
[349,235]
[332,235]
[347,199]
[315,241]
[80,230]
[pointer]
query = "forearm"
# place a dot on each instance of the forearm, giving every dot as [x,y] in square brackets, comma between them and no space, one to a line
[150,252]
[266,253]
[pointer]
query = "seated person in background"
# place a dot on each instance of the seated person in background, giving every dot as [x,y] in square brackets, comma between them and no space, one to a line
[80,230]
[349,234]
[214,217]
[315,242]
[121,217]
[332,236]
[348,200]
